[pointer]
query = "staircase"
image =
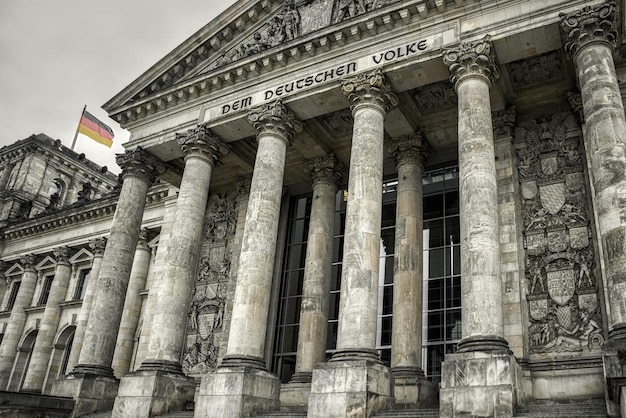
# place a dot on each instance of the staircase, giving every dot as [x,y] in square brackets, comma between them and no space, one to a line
[592,408]
[407,413]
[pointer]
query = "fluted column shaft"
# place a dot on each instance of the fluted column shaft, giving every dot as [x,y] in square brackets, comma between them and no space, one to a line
[246,341]
[17,320]
[132,306]
[97,246]
[371,97]
[139,170]
[591,35]
[325,172]
[406,339]
[473,69]
[42,349]
[167,337]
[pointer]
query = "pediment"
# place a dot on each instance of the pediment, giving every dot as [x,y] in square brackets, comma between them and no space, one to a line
[253,38]
[82,256]
[47,263]
[15,270]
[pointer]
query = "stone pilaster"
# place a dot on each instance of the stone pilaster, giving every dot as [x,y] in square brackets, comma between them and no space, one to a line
[92,382]
[38,366]
[354,379]
[466,387]
[327,173]
[252,388]
[132,306]
[591,36]
[17,320]
[410,385]
[159,385]
[97,247]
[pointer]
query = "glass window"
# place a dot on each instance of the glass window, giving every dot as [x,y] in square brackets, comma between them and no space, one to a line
[45,290]
[81,284]
[13,295]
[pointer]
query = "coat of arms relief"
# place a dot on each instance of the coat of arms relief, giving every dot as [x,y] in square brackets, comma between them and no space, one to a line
[560,261]
[211,290]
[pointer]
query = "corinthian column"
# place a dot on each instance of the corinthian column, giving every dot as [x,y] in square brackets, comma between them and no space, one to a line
[275,126]
[139,170]
[160,375]
[202,149]
[483,347]
[333,392]
[411,387]
[326,173]
[591,38]
[42,349]
[371,98]
[97,247]
[243,371]
[17,319]
[473,70]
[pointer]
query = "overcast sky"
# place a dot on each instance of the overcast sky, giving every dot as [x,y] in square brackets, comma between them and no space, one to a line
[58,55]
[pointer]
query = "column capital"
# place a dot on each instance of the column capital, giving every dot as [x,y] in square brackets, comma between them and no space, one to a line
[276,119]
[576,103]
[140,163]
[62,255]
[327,169]
[409,149]
[97,246]
[370,89]
[202,142]
[144,236]
[28,261]
[591,24]
[472,59]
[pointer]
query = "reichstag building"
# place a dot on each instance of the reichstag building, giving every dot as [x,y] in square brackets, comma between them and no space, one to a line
[332,209]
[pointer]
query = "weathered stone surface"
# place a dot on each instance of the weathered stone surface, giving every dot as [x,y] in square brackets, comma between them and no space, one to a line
[234,392]
[357,388]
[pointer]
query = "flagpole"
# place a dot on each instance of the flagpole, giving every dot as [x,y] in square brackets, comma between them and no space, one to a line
[78,126]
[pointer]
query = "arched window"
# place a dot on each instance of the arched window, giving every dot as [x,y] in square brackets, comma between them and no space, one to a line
[60,357]
[22,360]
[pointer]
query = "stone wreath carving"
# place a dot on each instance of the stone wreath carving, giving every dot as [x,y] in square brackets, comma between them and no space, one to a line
[560,265]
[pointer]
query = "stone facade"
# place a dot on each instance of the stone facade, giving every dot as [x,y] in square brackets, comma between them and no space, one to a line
[334,208]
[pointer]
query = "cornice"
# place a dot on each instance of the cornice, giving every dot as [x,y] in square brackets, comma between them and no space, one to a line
[393,16]
[67,218]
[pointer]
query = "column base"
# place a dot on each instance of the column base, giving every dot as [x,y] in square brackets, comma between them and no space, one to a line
[412,389]
[490,344]
[614,360]
[146,393]
[234,392]
[342,389]
[92,393]
[294,396]
[480,384]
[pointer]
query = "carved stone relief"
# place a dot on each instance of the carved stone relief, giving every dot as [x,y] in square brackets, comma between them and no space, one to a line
[536,70]
[297,18]
[564,305]
[436,96]
[206,312]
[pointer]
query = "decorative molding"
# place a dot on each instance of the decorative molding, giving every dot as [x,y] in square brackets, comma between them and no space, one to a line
[590,25]
[62,255]
[327,169]
[202,142]
[370,89]
[535,70]
[140,163]
[436,96]
[503,123]
[28,262]
[472,59]
[275,118]
[410,149]
[576,103]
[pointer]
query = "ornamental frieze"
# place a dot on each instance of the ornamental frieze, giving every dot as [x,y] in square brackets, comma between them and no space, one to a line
[560,261]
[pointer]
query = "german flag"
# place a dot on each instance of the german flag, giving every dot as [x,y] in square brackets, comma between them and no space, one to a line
[90,125]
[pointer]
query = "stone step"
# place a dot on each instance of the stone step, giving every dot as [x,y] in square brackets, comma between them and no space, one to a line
[407,413]
[178,414]
[106,414]
[588,409]
[281,414]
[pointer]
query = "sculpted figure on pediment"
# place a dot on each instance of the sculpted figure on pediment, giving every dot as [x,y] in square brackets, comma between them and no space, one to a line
[297,18]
